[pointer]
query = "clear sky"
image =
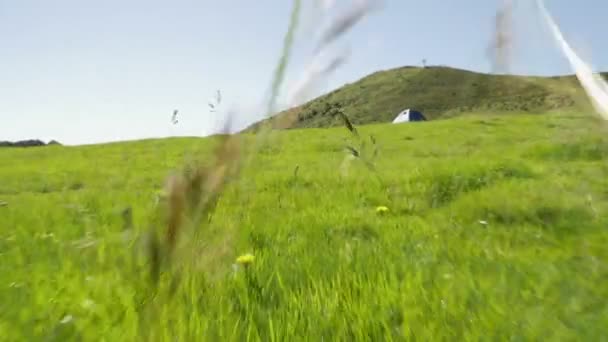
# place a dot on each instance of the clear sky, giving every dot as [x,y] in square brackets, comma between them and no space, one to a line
[93,71]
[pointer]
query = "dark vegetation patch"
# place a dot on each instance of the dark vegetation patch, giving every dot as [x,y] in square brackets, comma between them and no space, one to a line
[584,150]
[487,123]
[76,186]
[356,231]
[558,217]
[27,143]
[517,205]
[445,186]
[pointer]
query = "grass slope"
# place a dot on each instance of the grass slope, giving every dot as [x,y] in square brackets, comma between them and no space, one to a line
[439,92]
[496,228]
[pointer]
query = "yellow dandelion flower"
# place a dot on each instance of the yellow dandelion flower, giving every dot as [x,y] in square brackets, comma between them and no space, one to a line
[245,259]
[381,209]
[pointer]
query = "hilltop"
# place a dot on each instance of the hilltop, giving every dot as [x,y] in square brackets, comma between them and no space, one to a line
[439,92]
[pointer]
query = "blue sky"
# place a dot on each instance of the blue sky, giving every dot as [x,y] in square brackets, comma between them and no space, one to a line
[95,71]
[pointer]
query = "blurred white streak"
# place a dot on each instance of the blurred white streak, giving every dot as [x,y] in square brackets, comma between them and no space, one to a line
[345,21]
[501,46]
[593,84]
[316,71]
[327,5]
[321,66]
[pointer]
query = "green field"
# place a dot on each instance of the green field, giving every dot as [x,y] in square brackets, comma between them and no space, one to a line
[496,230]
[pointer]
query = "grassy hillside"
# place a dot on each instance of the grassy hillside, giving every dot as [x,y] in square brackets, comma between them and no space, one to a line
[439,92]
[496,228]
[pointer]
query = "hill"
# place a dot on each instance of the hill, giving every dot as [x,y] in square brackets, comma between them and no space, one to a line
[495,229]
[439,92]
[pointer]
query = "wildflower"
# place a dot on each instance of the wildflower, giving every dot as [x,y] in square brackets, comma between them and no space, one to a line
[381,209]
[245,259]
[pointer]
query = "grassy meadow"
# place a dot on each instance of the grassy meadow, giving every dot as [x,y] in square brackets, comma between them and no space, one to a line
[495,229]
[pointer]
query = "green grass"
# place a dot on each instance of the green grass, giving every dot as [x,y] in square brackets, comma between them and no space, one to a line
[496,231]
[439,92]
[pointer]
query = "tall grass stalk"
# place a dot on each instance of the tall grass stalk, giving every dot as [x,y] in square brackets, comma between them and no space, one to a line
[192,193]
